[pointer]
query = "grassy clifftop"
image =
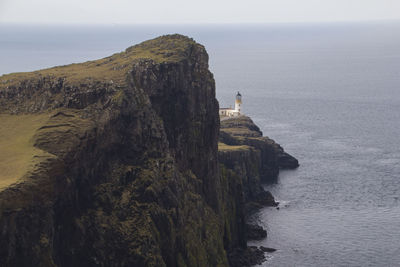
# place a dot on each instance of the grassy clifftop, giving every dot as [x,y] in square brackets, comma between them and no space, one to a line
[133,175]
[35,97]
[170,48]
[120,164]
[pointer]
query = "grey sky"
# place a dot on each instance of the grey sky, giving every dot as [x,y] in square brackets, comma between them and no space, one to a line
[200,11]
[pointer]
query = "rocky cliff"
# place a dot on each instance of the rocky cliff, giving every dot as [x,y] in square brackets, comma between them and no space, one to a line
[114,162]
[241,133]
[249,159]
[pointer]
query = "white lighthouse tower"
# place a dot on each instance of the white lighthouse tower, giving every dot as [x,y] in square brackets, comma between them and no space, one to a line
[230,112]
[238,103]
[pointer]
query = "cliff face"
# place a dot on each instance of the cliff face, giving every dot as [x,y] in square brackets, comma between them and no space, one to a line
[247,159]
[132,174]
[241,132]
[120,166]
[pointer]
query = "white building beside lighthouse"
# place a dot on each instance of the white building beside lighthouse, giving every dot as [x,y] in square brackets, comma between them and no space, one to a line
[229,112]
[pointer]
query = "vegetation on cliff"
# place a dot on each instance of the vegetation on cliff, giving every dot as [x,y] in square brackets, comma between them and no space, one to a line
[18,153]
[112,68]
[247,159]
[240,132]
[133,174]
[118,163]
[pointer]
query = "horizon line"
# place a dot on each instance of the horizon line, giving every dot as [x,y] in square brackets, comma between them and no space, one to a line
[377,21]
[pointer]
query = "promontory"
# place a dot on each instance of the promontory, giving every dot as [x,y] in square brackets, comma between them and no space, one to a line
[121,162]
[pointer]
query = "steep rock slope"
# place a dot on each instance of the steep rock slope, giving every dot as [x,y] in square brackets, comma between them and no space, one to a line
[118,163]
[255,158]
[240,133]
[247,159]
[130,174]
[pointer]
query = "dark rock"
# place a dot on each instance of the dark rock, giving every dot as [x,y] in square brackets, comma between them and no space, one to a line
[265,198]
[252,207]
[269,250]
[241,132]
[286,161]
[136,178]
[242,257]
[253,159]
[255,232]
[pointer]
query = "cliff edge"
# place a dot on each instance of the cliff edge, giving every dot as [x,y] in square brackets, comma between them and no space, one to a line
[115,162]
[248,159]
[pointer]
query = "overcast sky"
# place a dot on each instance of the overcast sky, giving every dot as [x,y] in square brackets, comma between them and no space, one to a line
[200,11]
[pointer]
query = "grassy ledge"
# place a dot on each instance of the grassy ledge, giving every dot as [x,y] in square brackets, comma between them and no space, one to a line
[18,155]
[225,147]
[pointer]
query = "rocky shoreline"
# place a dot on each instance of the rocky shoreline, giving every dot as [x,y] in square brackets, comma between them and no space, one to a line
[257,160]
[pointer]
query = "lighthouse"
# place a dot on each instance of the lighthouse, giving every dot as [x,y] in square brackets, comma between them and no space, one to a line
[238,103]
[230,112]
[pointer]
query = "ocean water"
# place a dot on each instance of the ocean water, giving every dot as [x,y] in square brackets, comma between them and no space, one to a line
[329,93]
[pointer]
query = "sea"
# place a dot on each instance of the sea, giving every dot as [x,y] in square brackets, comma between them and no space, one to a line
[329,93]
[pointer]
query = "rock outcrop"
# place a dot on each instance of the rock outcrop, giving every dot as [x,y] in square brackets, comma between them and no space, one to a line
[242,132]
[249,159]
[126,169]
